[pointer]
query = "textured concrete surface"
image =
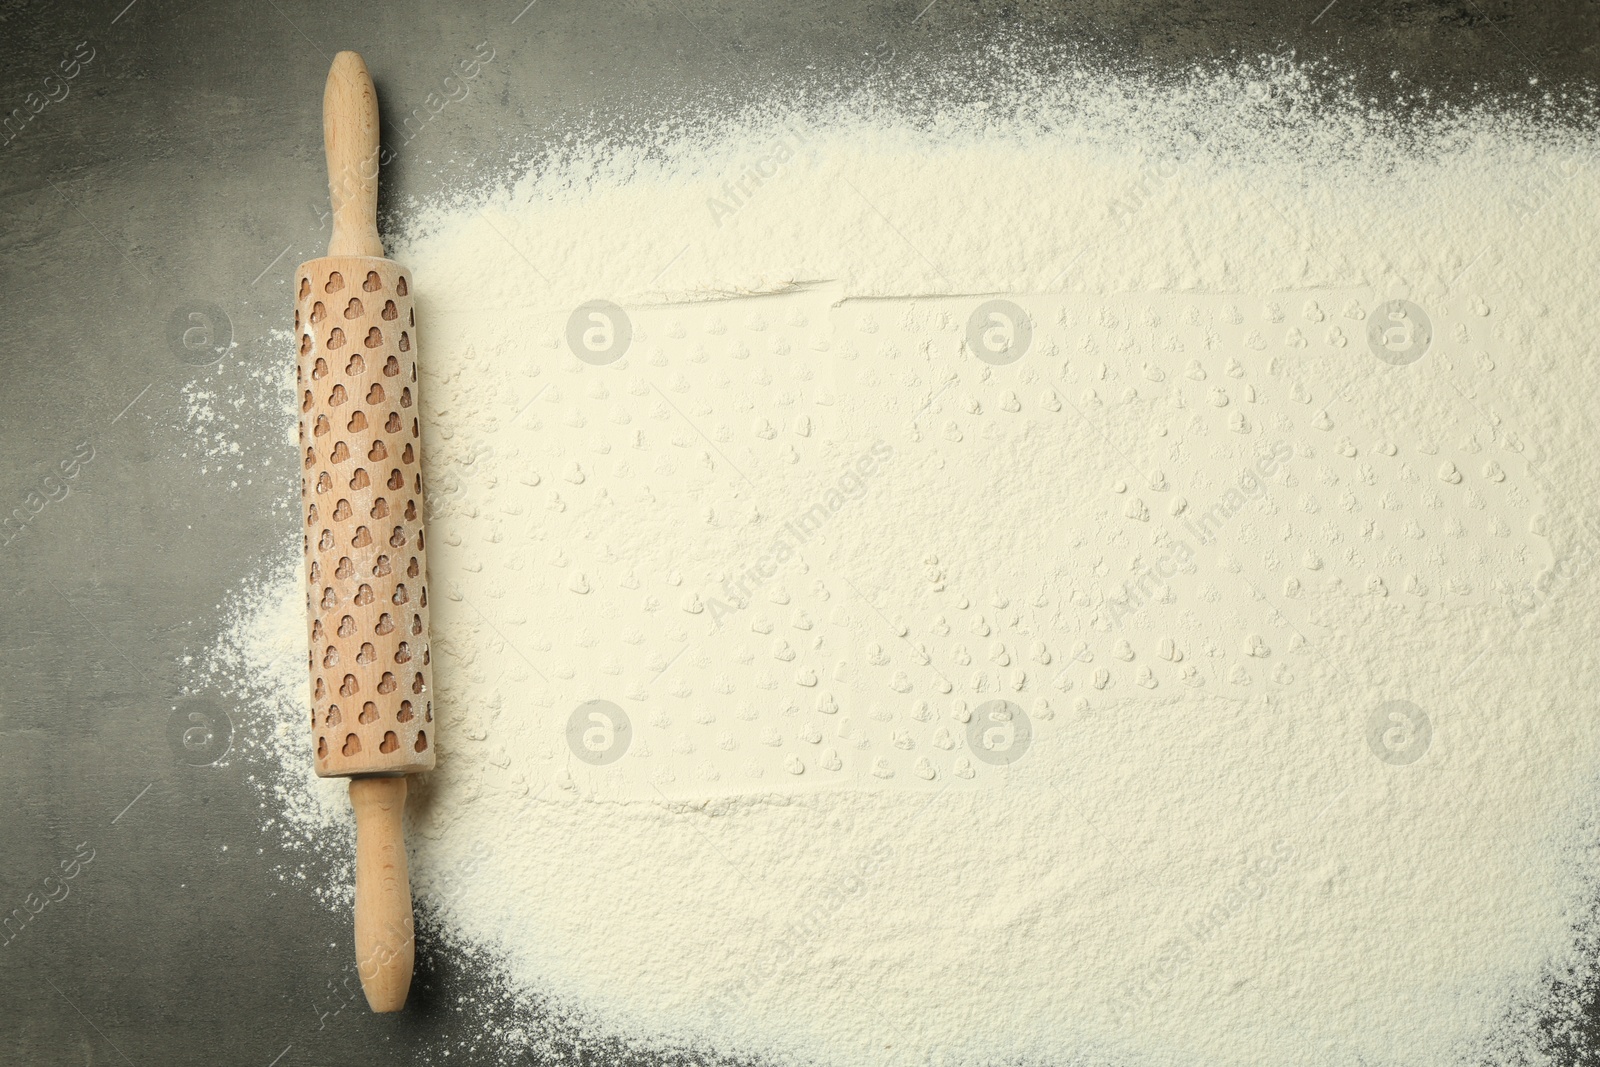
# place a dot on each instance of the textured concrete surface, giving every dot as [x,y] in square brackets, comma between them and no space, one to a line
[176,172]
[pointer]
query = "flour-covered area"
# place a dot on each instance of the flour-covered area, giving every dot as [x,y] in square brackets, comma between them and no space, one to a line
[1103,576]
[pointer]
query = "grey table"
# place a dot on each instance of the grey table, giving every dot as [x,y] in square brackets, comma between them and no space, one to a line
[157,203]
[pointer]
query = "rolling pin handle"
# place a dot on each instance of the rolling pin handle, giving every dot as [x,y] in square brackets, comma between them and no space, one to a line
[350,138]
[385,930]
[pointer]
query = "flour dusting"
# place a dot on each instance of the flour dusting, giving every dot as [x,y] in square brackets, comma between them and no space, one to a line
[1098,575]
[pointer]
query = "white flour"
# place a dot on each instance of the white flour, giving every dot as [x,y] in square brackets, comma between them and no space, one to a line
[1299,762]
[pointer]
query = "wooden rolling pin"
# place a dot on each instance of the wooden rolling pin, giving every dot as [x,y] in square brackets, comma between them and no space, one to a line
[361,491]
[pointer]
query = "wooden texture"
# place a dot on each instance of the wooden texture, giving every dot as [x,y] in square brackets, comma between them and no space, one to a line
[350,139]
[361,490]
[365,549]
[385,931]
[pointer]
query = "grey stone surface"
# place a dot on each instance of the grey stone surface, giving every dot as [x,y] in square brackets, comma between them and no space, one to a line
[180,172]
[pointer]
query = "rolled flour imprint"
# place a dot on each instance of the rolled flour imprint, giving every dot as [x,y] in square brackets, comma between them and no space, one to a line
[810,543]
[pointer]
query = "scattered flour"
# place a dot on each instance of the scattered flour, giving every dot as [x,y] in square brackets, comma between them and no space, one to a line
[1295,760]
